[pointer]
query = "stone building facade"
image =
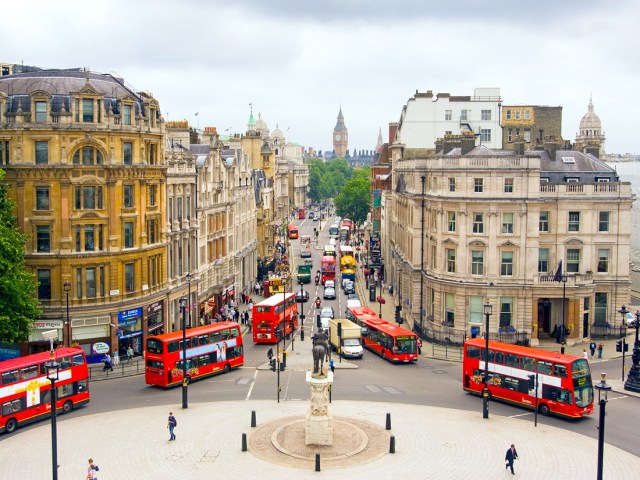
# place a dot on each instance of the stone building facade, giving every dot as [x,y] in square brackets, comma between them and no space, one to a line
[529,125]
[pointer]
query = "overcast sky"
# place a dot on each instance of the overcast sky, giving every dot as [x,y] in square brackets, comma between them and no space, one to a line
[298,61]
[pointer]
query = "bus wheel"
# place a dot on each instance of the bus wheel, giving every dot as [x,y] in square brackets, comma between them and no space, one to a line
[543,409]
[11,425]
[227,368]
[67,407]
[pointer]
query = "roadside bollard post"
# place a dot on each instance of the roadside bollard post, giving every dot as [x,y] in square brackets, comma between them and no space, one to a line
[388,426]
[244,442]
[392,444]
[253,418]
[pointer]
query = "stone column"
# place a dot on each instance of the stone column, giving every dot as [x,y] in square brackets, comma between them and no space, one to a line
[319,428]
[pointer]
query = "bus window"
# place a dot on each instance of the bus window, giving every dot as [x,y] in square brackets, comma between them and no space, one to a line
[172,347]
[10,377]
[499,358]
[29,372]
[557,394]
[528,363]
[544,367]
[473,352]
[78,360]
[579,368]
[511,360]
[65,363]
[491,353]
[11,407]
[560,370]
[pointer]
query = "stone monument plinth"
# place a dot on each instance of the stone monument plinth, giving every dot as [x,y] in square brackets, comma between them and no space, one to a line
[319,428]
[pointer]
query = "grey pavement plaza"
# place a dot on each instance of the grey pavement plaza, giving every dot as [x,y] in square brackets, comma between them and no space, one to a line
[431,443]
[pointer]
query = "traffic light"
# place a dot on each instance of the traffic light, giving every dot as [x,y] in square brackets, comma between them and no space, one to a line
[619,346]
[272,364]
[532,382]
[398,319]
[339,329]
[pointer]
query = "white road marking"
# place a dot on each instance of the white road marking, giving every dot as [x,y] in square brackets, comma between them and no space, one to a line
[255,375]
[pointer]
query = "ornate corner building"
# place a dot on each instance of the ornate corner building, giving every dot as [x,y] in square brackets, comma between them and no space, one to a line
[84,156]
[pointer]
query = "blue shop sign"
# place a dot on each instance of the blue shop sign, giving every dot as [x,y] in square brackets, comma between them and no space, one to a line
[125,315]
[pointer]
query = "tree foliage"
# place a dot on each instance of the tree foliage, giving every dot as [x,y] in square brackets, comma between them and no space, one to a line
[327,179]
[353,200]
[18,303]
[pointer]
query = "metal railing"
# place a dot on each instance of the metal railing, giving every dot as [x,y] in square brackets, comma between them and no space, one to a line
[606,330]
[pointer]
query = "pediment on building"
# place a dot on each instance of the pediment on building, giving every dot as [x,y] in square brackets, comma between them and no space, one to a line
[573,241]
[507,243]
[450,241]
[477,243]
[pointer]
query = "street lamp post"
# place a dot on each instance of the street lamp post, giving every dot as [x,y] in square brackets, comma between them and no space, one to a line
[52,374]
[485,392]
[67,325]
[301,313]
[422,180]
[601,386]
[633,380]
[183,306]
[623,311]
[564,300]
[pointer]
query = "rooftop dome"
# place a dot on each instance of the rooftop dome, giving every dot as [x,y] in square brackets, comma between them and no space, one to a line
[277,133]
[261,126]
[590,121]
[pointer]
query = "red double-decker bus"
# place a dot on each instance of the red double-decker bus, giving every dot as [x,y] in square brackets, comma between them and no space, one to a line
[328,268]
[211,349]
[25,391]
[302,213]
[390,341]
[293,231]
[273,316]
[564,381]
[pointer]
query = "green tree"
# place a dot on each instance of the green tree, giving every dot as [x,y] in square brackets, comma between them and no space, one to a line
[18,303]
[353,200]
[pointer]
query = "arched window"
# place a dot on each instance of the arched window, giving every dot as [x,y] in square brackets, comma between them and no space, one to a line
[87,156]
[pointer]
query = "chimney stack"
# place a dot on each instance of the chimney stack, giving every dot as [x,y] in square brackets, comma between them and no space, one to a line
[467,143]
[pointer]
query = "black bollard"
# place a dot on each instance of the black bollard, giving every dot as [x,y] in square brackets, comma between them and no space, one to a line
[388,427]
[284,361]
[244,442]
[302,334]
[392,444]
[317,462]
[253,418]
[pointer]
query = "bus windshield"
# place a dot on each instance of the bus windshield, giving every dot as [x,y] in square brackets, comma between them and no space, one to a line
[406,344]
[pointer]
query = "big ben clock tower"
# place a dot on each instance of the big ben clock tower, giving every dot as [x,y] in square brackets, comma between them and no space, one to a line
[340,137]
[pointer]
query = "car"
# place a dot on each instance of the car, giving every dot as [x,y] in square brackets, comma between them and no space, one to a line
[630,320]
[316,218]
[348,286]
[302,296]
[324,323]
[353,303]
[327,312]
[329,293]
[353,296]
[311,215]
[329,283]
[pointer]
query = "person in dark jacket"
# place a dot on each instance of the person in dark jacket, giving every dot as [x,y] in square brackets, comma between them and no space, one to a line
[510,457]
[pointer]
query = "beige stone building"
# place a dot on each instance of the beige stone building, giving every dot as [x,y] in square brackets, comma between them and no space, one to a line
[496,226]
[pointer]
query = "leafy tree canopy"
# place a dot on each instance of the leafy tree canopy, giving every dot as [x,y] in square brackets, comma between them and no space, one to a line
[18,303]
[353,200]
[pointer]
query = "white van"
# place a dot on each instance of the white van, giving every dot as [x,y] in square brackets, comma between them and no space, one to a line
[354,303]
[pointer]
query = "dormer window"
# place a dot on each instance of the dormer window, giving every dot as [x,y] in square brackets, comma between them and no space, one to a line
[126,115]
[87,111]
[568,160]
[41,112]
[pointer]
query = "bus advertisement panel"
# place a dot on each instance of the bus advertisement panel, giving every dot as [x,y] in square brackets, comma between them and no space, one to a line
[25,390]
[334,230]
[305,246]
[273,316]
[328,268]
[293,232]
[564,381]
[329,251]
[211,349]
[390,341]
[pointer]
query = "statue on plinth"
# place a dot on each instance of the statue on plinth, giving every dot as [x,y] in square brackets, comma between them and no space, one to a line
[320,352]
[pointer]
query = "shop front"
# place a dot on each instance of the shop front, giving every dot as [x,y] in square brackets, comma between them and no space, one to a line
[91,334]
[37,342]
[155,318]
[129,331]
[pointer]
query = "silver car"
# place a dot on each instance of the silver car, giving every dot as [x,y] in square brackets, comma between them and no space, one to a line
[329,293]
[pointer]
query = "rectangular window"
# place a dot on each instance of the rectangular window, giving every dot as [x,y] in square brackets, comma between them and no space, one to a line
[78,238]
[543,223]
[507,223]
[153,189]
[43,238]
[101,281]
[451,260]
[506,264]
[179,209]
[42,198]
[100,236]
[485,114]
[128,234]
[478,223]
[79,282]
[463,115]
[41,112]
[475,310]
[508,185]
[127,153]
[508,114]
[543,260]
[434,258]
[517,113]
[44,284]
[449,309]
[42,152]
[485,134]
[4,152]
[452,184]
[90,276]
[451,221]
[527,114]
[600,314]
[603,260]
[152,231]
[603,221]
[510,135]
[87,111]
[447,114]
[573,260]
[527,135]
[129,278]
[88,198]
[89,238]
[127,196]
[478,185]
[477,262]
[574,221]
[506,311]
[126,114]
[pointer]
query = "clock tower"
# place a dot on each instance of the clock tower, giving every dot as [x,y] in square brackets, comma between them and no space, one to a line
[340,137]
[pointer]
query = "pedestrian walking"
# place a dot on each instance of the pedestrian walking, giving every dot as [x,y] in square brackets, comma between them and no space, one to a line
[171,424]
[510,457]
[107,363]
[585,355]
[116,358]
[419,346]
[592,347]
[92,471]
[332,365]
[600,348]
[129,354]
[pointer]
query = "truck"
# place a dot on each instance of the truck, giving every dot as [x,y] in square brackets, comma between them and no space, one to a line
[348,344]
[304,274]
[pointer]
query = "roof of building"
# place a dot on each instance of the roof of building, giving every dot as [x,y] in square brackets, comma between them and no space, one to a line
[590,120]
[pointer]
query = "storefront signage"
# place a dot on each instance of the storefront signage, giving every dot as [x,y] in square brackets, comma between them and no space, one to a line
[125,315]
[155,307]
[47,324]
[100,348]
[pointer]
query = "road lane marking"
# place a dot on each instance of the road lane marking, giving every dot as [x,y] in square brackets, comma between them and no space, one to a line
[521,415]
[255,376]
